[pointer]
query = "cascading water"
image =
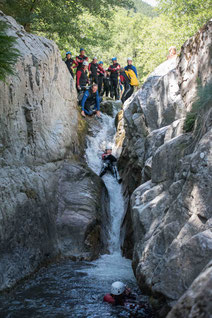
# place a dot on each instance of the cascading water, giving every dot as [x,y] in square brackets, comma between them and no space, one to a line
[75,289]
[112,265]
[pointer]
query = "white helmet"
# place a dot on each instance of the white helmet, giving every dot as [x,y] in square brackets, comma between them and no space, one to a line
[95,58]
[85,63]
[117,288]
[129,59]
[108,147]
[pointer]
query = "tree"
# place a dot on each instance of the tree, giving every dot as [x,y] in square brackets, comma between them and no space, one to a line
[8,54]
[187,15]
[58,15]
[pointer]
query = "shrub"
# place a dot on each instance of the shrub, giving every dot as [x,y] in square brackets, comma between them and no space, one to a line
[202,103]
[8,53]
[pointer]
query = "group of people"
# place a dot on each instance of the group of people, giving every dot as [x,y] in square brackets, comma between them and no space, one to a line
[93,81]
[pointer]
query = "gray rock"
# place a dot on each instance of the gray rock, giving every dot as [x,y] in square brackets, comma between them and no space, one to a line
[197,301]
[39,129]
[168,175]
[82,212]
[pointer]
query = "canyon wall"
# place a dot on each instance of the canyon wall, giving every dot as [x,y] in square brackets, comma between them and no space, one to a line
[168,175]
[42,167]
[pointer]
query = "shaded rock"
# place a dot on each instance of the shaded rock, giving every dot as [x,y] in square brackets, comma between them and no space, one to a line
[82,213]
[197,301]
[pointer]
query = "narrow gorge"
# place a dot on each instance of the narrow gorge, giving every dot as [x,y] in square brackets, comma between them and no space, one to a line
[72,233]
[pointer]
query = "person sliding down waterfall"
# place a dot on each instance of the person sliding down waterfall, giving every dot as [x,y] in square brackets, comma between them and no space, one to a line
[109,163]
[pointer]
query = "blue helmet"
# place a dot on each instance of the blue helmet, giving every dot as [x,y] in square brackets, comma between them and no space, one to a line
[100,62]
[82,49]
[68,52]
[114,59]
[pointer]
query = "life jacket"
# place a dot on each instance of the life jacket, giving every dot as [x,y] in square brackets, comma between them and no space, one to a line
[91,98]
[132,77]
[114,73]
[83,78]
[124,78]
[93,67]
[109,299]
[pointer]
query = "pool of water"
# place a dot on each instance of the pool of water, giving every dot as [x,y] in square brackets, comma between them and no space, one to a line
[71,289]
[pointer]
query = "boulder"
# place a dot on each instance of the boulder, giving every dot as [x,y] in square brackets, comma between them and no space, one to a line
[82,212]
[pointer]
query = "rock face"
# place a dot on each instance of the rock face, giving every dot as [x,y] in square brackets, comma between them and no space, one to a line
[40,135]
[197,301]
[168,175]
[82,212]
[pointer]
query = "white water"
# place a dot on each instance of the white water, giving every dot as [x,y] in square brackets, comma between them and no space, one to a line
[110,266]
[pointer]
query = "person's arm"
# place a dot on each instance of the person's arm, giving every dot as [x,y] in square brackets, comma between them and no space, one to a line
[85,97]
[97,104]
[101,69]
[89,67]
[76,64]
[79,73]
[117,68]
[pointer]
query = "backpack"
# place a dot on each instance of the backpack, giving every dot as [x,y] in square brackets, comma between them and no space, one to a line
[132,77]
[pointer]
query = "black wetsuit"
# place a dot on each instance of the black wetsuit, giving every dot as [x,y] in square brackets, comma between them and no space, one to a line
[113,69]
[128,89]
[109,164]
[106,81]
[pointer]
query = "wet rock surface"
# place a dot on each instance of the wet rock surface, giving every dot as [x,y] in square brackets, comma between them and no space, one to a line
[168,176]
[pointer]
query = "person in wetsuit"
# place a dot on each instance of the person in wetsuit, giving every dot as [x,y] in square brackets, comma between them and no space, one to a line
[93,68]
[81,58]
[82,77]
[106,82]
[128,89]
[101,73]
[130,66]
[114,69]
[119,294]
[91,98]
[109,164]
[69,62]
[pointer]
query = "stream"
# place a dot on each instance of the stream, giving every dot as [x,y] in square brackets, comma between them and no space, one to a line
[76,289]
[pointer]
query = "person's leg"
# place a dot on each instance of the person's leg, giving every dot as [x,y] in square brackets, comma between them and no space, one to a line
[88,110]
[104,168]
[130,92]
[111,89]
[100,80]
[115,85]
[127,90]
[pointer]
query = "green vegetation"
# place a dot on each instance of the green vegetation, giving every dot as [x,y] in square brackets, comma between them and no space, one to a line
[200,106]
[107,28]
[8,54]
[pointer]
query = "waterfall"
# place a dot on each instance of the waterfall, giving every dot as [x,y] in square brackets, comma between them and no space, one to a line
[110,266]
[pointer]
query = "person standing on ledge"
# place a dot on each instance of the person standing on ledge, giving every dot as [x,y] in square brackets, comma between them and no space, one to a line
[101,73]
[114,69]
[82,77]
[81,58]
[69,62]
[91,98]
[93,67]
[130,66]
